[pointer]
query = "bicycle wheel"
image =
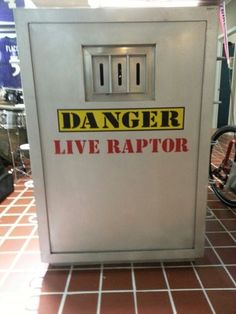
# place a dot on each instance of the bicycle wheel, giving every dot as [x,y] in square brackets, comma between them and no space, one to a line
[222,169]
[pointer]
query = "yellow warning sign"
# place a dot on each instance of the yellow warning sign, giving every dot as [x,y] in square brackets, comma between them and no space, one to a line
[103,120]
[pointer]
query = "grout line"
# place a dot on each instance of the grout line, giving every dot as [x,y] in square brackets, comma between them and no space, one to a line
[119,291]
[12,203]
[99,302]
[216,218]
[186,289]
[17,205]
[19,270]
[222,263]
[17,257]
[223,231]
[27,251]
[134,289]
[17,214]
[31,270]
[63,299]
[22,197]
[16,223]
[14,252]
[226,230]
[203,290]
[20,237]
[224,246]
[209,265]
[169,291]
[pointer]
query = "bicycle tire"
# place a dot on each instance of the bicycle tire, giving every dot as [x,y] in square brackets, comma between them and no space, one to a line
[219,138]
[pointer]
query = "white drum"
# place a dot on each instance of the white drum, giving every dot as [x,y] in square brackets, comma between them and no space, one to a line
[25,156]
[20,120]
[12,119]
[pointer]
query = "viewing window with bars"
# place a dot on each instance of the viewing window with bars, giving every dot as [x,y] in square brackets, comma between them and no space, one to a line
[119,72]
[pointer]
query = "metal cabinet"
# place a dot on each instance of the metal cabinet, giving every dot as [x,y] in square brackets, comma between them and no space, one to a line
[118,106]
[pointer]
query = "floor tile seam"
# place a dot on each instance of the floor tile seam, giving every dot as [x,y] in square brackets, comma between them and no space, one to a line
[31,269]
[226,229]
[29,294]
[224,246]
[215,266]
[16,258]
[217,208]
[133,279]
[218,231]
[22,197]
[102,292]
[16,214]
[186,289]
[21,205]
[209,213]
[115,268]
[216,200]
[16,223]
[145,267]
[19,237]
[87,269]
[19,224]
[233,211]
[63,299]
[118,268]
[177,266]
[33,292]
[15,190]
[223,264]
[200,265]
[203,290]
[172,303]
[12,203]
[226,208]
[228,219]
[17,251]
[24,252]
[99,300]
[121,268]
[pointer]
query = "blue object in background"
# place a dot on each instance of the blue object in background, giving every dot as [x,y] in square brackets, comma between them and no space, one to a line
[6,6]
[9,61]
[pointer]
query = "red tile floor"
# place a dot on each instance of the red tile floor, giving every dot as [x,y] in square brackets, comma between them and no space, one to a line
[27,285]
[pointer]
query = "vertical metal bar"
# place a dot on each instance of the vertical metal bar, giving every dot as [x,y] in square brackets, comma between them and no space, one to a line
[233,90]
[119,72]
[110,74]
[138,73]
[127,73]
[101,72]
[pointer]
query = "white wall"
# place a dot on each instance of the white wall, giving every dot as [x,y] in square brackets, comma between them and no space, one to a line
[231,14]
[231,25]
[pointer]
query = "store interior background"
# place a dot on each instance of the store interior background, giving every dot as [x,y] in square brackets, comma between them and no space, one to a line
[207,286]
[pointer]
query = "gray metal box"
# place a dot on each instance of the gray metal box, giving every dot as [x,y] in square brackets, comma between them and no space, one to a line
[118,105]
